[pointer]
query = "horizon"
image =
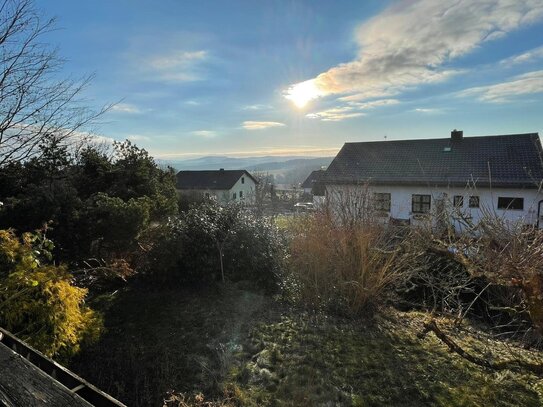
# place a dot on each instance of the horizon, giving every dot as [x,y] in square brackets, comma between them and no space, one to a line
[206,79]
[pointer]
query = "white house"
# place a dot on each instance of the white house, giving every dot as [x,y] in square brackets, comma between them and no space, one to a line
[224,185]
[471,176]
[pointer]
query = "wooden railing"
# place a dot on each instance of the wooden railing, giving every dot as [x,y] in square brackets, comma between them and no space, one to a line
[26,372]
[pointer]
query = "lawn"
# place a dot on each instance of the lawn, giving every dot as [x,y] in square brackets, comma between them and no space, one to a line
[234,342]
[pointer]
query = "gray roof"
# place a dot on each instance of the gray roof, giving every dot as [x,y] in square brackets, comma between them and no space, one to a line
[312,178]
[502,161]
[212,179]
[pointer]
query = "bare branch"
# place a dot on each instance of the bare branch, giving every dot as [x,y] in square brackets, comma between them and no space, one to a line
[34,103]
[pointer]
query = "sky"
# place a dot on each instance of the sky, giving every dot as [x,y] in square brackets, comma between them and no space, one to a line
[252,78]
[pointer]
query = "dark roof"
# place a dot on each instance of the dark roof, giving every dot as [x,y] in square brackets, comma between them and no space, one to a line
[312,178]
[501,161]
[213,179]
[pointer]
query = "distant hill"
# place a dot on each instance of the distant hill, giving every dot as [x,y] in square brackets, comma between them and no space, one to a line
[249,163]
[292,172]
[292,163]
[285,169]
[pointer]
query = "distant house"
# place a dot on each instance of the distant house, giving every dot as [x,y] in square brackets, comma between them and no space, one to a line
[313,187]
[224,185]
[469,176]
[311,184]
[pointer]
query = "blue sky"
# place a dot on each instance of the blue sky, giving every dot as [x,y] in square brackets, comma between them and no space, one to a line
[245,78]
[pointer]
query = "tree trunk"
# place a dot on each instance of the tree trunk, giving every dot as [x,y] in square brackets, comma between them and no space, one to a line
[220,259]
[533,289]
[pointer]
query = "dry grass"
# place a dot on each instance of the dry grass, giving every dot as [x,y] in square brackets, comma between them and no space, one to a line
[348,268]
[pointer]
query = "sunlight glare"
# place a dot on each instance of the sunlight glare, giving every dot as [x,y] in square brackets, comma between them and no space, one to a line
[301,93]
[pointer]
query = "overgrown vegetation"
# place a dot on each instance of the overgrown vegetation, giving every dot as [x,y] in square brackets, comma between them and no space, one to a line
[96,203]
[38,300]
[348,268]
[231,346]
[228,309]
[211,242]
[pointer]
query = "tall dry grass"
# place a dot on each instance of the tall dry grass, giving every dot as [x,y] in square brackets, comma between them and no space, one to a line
[350,268]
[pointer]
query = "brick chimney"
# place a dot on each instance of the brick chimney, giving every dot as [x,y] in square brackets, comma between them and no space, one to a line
[457,135]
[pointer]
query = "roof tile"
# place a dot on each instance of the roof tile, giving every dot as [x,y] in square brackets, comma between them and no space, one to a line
[508,160]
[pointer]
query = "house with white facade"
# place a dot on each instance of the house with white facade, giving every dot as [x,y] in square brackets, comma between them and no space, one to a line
[223,185]
[407,180]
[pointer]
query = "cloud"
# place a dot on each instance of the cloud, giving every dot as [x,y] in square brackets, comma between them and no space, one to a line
[204,133]
[426,110]
[353,109]
[335,114]
[410,44]
[256,107]
[525,84]
[526,57]
[137,137]
[125,108]
[250,125]
[177,66]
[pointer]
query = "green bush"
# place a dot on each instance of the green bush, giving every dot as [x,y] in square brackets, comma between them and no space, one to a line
[93,202]
[188,250]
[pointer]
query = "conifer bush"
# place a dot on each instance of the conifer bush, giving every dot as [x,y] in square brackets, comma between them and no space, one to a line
[38,301]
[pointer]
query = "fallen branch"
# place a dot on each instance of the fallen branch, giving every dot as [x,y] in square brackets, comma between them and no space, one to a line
[514,365]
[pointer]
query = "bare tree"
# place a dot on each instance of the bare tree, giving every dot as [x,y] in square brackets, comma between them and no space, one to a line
[263,191]
[33,102]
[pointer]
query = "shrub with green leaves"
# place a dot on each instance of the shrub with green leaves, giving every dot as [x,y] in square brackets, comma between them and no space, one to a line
[189,249]
[95,202]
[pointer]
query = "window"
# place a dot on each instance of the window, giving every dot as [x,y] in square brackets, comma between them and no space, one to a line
[510,203]
[381,201]
[243,182]
[420,203]
[474,201]
[234,195]
[458,201]
[240,194]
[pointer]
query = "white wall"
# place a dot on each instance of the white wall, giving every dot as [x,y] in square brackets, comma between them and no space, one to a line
[401,199]
[226,195]
[248,189]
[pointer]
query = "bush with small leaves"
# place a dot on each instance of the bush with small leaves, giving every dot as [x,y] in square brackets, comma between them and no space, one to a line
[38,301]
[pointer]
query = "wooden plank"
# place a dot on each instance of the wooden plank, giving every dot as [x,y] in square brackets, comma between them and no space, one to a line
[58,373]
[23,384]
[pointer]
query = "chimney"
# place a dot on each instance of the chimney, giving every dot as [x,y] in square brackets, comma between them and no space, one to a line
[457,135]
[222,169]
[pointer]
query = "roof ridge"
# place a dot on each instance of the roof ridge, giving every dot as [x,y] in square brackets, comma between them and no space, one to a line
[444,138]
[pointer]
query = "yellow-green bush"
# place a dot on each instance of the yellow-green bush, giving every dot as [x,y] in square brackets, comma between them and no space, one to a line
[38,302]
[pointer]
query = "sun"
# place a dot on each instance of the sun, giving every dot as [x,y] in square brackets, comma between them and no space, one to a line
[301,93]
